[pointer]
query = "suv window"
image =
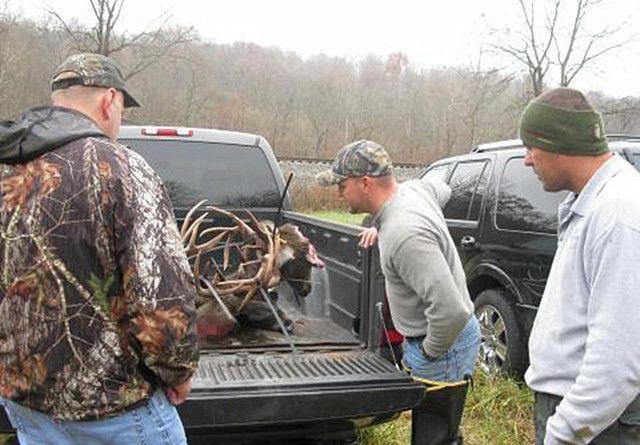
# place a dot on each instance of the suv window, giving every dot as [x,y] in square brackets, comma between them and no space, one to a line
[192,171]
[467,183]
[523,204]
[439,172]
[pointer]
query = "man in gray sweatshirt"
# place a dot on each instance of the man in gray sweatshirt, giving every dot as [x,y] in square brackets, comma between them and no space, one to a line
[585,359]
[424,279]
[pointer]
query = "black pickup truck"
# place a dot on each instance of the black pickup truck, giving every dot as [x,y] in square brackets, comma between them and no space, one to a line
[327,377]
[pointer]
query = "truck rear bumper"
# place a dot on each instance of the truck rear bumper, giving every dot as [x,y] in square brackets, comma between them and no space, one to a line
[301,395]
[298,405]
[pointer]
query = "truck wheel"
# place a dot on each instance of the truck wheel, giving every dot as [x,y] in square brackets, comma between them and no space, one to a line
[502,349]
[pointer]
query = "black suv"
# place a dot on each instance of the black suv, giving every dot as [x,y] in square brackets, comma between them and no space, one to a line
[504,225]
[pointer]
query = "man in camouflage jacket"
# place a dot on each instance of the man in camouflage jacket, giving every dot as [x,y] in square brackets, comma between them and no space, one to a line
[97,315]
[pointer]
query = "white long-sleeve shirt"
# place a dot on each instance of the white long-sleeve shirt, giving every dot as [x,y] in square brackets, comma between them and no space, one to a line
[584,345]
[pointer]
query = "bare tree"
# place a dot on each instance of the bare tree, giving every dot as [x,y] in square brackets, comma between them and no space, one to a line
[565,41]
[155,42]
[532,44]
[621,115]
[581,46]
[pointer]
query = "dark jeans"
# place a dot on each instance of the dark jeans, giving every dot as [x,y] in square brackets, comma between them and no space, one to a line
[624,431]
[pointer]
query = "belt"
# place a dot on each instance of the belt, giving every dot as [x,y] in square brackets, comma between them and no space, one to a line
[417,337]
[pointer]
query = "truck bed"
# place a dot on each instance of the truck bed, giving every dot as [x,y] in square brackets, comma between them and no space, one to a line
[308,331]
[253,380]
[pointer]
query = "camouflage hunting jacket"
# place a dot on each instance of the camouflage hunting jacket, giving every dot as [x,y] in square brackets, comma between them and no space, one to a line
[96,294]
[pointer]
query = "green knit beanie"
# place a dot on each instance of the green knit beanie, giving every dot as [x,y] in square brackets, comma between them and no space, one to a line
[561,130]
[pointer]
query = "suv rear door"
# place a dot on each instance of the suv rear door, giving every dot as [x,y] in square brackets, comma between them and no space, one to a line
[468,179]
[522,241]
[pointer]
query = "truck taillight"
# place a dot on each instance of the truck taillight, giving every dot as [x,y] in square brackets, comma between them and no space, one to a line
[391,335]
[395,337]
[155,131]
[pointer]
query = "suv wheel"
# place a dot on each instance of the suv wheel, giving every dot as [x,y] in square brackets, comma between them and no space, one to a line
[502,349]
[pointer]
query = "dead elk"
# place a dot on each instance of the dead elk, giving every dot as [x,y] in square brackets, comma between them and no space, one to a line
[254,256]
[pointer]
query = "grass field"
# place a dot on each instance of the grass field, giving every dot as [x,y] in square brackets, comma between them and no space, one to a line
[498,410]
[338,216]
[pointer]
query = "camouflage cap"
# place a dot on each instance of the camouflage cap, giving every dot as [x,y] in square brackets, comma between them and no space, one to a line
[360,158]
[92,70]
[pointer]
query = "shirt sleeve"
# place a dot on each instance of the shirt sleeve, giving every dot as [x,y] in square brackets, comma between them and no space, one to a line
[159,289]
[609,377]
[422,266]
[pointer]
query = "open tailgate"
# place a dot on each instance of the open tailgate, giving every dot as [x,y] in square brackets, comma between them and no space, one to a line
[252,389]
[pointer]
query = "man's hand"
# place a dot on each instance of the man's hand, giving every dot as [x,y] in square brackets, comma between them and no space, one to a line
[427,356]
[178,394]
[368,237]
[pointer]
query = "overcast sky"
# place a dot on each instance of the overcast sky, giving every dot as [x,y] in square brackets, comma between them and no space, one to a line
[431,33]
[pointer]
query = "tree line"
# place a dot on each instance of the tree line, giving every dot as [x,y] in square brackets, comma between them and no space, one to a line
[304,107]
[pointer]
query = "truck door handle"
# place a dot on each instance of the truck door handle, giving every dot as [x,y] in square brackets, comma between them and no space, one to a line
[468,242]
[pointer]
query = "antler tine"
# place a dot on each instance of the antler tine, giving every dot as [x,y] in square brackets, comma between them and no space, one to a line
[266,269]
[210,245]
[239,222]
[238,281]
[192,232]
[187,218]
[250,262]
[236,289]
[269,268]
[227,251]
[255,221]
[219,300]
[241,253]
[217,272]
[250,294]
[214,229]
[274,280]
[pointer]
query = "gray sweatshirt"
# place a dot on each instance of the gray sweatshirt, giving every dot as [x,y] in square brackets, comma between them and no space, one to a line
[424,279]
[584,342]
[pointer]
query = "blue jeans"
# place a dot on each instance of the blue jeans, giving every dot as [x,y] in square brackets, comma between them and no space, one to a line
[451,366]
[155,422]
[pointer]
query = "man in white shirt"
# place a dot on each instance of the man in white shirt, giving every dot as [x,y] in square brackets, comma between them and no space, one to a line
[584,352]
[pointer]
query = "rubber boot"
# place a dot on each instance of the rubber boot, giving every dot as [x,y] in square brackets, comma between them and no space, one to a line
[436,420]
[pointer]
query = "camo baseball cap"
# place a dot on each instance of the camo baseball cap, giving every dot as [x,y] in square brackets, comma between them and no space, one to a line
[92,70]
[360,158]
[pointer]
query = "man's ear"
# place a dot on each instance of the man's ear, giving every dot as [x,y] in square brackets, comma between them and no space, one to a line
[366,182]
[106,103]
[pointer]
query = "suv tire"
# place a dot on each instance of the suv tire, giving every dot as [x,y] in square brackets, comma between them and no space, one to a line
[502,349]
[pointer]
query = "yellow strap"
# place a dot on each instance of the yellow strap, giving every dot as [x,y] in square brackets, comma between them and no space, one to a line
[434,385]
